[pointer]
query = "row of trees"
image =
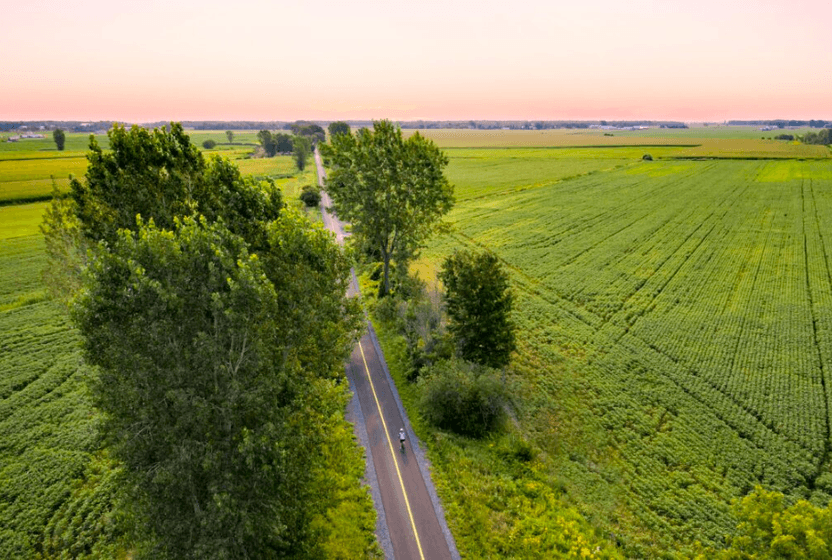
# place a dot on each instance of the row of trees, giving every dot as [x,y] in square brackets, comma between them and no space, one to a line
[281,143]
[394,193]
[217,322]
[823,136]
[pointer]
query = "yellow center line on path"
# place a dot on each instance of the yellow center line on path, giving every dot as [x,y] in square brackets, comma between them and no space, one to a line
[392,452]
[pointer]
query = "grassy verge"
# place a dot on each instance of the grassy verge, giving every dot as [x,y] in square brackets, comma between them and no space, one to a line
[497,493]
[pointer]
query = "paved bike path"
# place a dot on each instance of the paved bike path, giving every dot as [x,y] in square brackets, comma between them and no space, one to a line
[412,524]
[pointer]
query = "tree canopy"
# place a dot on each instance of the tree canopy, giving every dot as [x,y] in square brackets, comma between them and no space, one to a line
[309,130]
[302,149]
[338,127]
[392,190]
[162,175]
[216,372]
[275,143]
[60,138]
[218,325]
[478,301]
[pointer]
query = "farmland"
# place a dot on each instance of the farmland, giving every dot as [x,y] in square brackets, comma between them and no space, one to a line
[57,483]
[49,437]
[28,167]
[675,338]
[675,321]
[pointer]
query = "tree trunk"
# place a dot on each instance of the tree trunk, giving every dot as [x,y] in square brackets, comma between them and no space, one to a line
[384,287]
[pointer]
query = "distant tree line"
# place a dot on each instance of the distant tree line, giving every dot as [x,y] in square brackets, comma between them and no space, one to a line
[309,128]
[782,123]
[823,136]
[67,126]
[299,145]
[530,125]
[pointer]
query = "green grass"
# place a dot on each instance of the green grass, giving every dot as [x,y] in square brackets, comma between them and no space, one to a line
[20,220]
[675,321]
[27,179]
[497,504]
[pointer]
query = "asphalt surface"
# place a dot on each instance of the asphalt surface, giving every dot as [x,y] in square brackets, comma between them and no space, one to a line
[411,522]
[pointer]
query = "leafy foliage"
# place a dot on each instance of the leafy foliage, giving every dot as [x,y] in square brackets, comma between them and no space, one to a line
[275,143]
[60,138]
[48,427]
[217,392]
[658,338]
[823,136]
[309,131]
[65,247]
[209,144]
[230,135]
[310,196]
[462,398]
[478,302]
[769,529]
[494,482]
[161,175]
[302,149]
[338,127]
[392,190]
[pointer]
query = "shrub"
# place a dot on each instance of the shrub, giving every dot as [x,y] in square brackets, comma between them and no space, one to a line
[647,157]
[462,398]
[209,144]
[310,196]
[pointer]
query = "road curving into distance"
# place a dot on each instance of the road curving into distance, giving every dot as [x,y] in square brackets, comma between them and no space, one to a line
[411,522]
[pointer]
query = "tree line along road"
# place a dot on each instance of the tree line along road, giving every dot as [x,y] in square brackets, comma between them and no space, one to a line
[411,520]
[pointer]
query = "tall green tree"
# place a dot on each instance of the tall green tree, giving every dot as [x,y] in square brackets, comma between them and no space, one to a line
[338,127]
[309,130]
[283,142]
[59,136]
[268,143]
[392,190]
[217,371]
[302,149]
[230,135]
[478,301]
[162,175]
[218,325]
[66,247]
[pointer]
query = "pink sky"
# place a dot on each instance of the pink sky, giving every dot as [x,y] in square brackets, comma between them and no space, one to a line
[270,60]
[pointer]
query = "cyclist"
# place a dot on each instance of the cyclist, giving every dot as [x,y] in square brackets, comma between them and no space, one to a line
[401,437]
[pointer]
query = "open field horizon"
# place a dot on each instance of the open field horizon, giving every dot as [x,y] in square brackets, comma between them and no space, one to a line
[674,316]
[675,325]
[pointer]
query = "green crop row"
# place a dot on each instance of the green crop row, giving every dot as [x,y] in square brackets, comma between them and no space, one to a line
[675,322]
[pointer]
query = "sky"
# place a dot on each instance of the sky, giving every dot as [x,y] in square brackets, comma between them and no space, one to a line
[162,60]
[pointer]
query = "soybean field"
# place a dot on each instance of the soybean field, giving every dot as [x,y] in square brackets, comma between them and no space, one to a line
[675,323]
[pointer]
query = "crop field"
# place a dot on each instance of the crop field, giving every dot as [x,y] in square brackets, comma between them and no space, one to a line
[49,438]
[746,142]
[675,322]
